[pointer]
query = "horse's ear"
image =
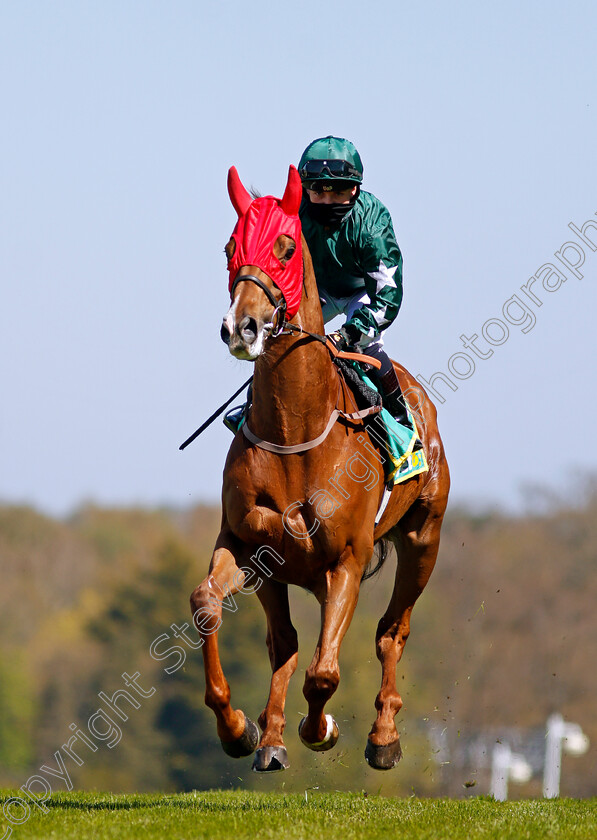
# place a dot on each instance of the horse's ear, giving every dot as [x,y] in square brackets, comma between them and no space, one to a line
[291,200]
[239,196]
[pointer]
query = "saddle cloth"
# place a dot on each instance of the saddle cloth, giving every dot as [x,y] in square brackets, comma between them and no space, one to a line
[394,441]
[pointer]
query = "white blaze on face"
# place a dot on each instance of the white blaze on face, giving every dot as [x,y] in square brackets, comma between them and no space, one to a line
[229,318]
[238,346]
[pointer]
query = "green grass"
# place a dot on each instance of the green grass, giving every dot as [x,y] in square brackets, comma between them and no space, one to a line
[219,815]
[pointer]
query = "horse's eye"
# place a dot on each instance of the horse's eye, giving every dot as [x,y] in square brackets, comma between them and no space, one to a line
[289,253]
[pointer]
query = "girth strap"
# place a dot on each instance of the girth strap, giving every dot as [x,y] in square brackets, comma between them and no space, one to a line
[278,449]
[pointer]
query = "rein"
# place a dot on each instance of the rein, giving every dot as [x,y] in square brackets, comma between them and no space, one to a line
[279,326]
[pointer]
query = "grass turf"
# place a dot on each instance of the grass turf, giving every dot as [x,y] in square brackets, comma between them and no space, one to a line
[220,815]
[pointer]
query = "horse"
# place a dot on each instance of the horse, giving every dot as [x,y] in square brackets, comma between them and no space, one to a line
[302,487]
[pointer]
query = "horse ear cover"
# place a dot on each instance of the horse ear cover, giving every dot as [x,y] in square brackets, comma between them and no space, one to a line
[291,200]
[240,198]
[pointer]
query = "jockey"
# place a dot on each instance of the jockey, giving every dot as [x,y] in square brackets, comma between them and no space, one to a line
[357,261]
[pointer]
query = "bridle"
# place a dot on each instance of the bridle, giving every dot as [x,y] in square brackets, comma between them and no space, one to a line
[276,325]
[279,326]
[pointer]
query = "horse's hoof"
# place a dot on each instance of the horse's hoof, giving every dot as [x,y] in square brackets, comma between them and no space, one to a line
[270,759]
[245,745]
[383,757]
[331,736]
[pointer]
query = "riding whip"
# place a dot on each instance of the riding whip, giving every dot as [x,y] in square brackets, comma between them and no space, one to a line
[217,413]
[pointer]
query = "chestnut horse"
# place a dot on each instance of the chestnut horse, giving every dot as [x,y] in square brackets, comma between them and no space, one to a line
[274,506]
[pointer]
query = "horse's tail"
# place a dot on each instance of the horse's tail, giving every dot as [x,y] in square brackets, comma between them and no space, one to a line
[380,555]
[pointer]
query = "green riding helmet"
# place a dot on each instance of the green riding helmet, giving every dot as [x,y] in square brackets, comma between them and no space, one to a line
[330,159]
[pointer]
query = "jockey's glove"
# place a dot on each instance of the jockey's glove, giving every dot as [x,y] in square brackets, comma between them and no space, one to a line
[346,337]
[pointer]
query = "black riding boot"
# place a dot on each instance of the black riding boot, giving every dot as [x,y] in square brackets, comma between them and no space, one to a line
[391,394]
[388,384]
[233,418]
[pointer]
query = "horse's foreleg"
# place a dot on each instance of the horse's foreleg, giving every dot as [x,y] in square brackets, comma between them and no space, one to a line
[317,730]
[282,644]
[237,733]
[417,542]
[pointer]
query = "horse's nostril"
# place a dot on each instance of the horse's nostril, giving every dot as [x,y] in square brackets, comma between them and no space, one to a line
[248,329]
[225,333]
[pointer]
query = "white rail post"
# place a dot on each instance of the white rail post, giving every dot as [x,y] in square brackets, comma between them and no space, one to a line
[560,734]
[507,765]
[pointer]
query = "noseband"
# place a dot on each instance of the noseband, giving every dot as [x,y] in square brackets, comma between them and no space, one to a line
[279,314]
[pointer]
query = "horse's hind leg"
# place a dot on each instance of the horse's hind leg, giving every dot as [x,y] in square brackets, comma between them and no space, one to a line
[282,644]
[416,538]
[238,734]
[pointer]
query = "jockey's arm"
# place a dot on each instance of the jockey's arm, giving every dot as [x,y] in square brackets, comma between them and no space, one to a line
[382,269]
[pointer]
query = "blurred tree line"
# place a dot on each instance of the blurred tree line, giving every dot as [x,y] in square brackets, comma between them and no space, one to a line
[504,634]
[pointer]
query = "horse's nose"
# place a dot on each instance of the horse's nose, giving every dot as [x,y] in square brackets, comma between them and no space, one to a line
[225,332]
[247,329]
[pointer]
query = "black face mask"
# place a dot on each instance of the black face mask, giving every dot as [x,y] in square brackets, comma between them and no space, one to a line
[330,215]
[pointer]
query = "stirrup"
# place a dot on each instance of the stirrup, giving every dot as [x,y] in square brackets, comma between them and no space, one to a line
[233,419]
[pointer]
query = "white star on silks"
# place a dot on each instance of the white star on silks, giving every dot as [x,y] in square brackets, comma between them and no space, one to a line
[384,276]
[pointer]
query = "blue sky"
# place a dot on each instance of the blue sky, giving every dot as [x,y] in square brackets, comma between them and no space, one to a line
[477,126]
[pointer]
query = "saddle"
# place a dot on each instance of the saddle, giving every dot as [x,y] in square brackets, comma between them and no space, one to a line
[399,447]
